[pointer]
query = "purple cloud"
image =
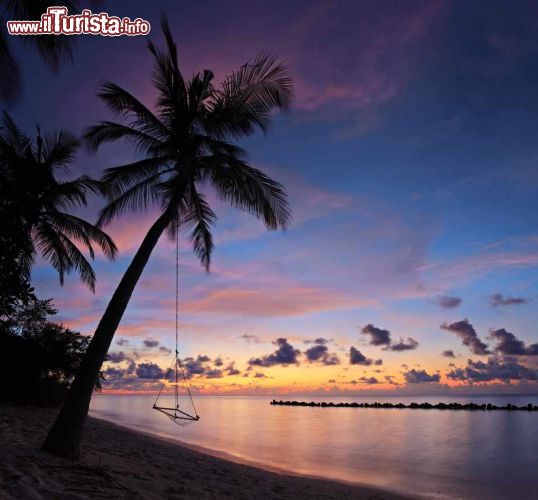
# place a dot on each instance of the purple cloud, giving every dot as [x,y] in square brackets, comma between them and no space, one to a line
[466,332]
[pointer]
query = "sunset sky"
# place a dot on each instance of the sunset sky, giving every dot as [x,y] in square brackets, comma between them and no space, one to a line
[410,156]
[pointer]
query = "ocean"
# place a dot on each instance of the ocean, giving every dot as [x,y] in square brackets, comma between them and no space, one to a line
[433,453]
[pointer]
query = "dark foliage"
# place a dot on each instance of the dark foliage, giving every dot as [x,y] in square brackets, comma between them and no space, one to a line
[38,358]
[14,285]
[35,206]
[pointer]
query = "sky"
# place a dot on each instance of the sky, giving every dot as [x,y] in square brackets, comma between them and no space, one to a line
[410,158]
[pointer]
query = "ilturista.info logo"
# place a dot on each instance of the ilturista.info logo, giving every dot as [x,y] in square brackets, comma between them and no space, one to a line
[56,21]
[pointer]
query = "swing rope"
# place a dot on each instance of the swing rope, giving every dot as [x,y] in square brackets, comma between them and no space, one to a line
[177,363]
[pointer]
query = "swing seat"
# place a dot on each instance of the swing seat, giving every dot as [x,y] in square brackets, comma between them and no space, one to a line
[176,413]
[172,411]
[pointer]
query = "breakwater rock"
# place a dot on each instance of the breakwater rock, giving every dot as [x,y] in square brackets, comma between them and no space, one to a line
[410,406]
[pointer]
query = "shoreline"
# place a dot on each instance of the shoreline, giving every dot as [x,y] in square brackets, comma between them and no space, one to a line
[121,462]
[239,460]
[229,457]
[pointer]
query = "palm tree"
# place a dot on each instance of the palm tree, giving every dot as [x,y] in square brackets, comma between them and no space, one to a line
[34,204]
[53,49]
[187,143]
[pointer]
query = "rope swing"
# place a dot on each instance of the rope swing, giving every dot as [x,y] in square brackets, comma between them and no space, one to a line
[180,417]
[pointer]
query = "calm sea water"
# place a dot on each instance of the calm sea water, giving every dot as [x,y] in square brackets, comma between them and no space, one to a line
[439,454]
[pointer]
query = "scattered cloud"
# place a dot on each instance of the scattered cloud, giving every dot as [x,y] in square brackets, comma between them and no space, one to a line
[369,380]
[498,300]
[149,371]
[381,337]
[151,343]
[496,368]
[319,340]
[232,370]
[390,380]
[214,373]
[358,358]
[509,344]
[401,345]
[466,332]
[378,336]
[112,374]
[285,355]
[448,302]
[195,366]
[116,357]
[420,376]
[449,353]
[320,353]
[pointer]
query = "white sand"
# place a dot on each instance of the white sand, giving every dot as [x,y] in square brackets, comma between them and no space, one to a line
[119,463]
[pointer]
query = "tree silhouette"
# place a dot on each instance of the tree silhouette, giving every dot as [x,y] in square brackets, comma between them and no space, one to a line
[38,358]
[34,205]
[188,142]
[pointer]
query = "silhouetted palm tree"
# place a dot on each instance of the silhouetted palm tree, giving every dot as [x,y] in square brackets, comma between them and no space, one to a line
[53,49]
[34,203]
[186,143]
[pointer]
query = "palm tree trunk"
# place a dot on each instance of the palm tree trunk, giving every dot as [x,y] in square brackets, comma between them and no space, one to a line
[65,435]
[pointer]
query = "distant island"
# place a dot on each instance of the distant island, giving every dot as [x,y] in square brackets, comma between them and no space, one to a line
[411,406]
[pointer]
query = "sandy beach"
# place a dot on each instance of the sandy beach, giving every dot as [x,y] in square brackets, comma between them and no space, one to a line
[119,463]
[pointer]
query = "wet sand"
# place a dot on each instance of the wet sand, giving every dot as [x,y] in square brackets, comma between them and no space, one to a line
[120,463]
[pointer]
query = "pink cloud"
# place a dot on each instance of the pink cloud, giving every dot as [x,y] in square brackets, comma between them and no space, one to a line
[469,267]
[375,64]
[272,302]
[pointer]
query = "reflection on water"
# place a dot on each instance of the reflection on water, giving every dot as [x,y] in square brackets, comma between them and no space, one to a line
[443,454]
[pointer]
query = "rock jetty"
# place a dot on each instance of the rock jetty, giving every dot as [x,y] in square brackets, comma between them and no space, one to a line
[410,406]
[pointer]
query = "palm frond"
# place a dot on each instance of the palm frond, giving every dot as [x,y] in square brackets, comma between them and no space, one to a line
[81,230]
[170,43]
[137,198]
[122,102]
[251,190]
[60,149]
[117,180]
[72,230]
[13,138]
[198,218]
[167,77]
[106,131]
[249,96]
[63,254]
[51,247]
[79,262]
[72,193]
[198,90]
